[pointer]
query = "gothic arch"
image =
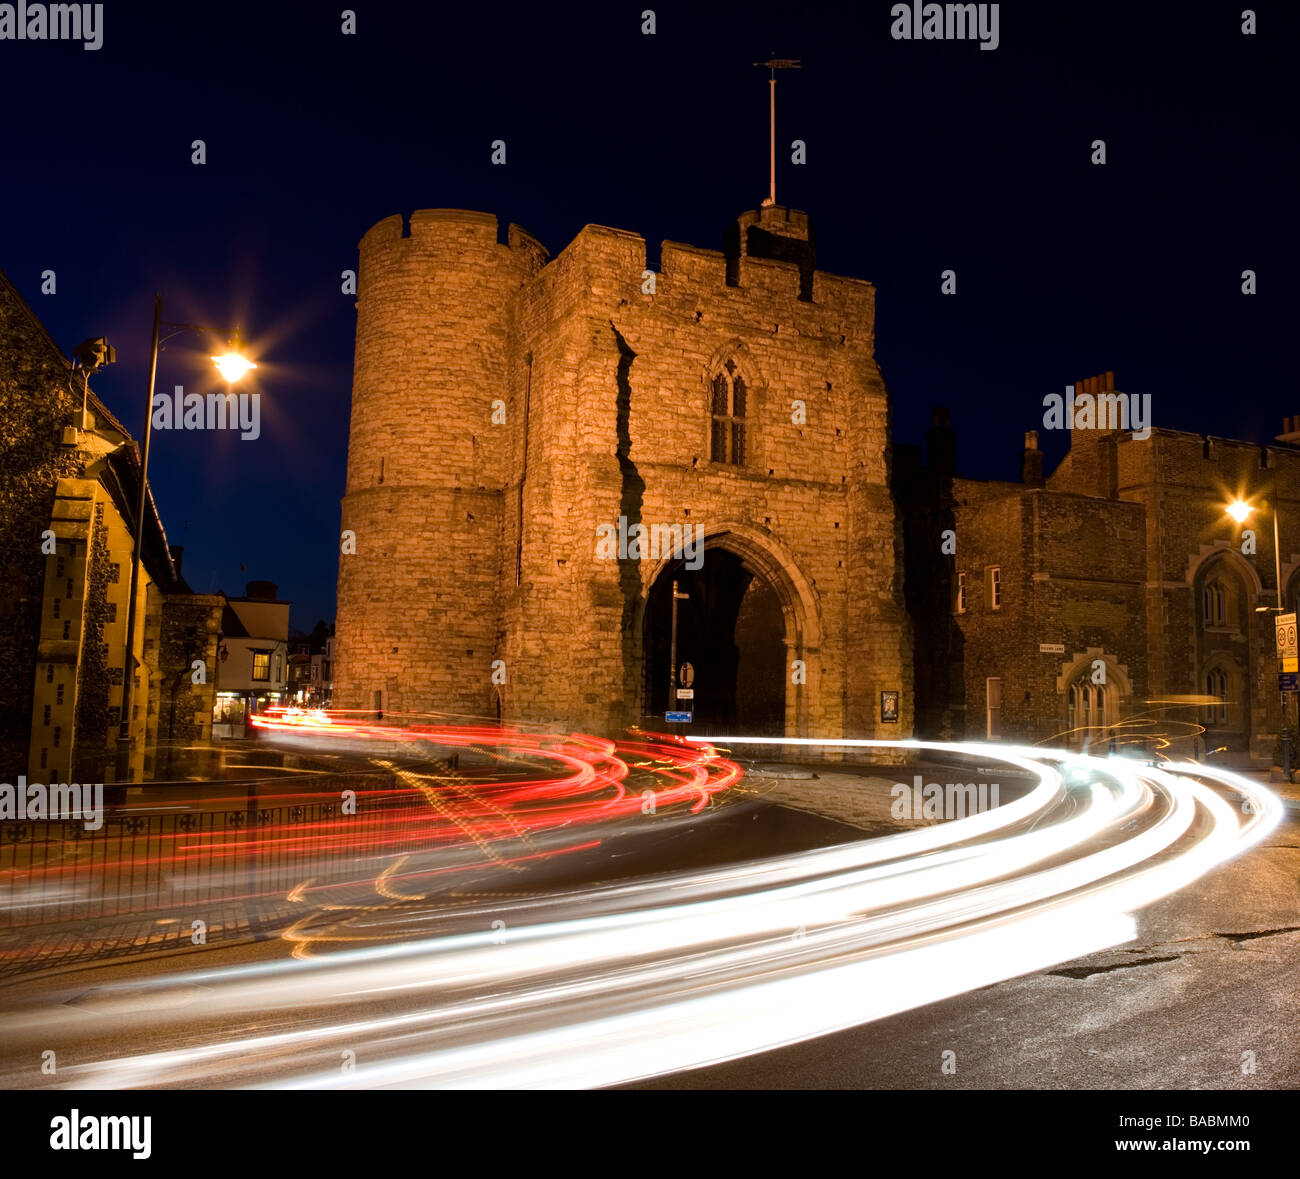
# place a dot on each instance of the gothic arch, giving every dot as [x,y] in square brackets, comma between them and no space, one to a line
[737,350]
[1222,548]
[1081,661]
[768,559]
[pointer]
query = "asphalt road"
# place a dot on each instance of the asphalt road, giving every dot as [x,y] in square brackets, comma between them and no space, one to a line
[1203,999]
[1213,978]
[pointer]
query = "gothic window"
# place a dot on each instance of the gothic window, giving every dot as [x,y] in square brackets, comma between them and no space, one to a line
[961,593]
[727,438]
[1214,604]
[1216,685]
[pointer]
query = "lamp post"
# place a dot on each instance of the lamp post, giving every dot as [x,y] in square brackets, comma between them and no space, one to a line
[232,366]
[1239,510]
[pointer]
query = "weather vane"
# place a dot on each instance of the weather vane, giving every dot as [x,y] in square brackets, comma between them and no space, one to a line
[772,65]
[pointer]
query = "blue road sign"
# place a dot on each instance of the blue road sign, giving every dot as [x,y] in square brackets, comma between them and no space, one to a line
[680,718]
[1288,681]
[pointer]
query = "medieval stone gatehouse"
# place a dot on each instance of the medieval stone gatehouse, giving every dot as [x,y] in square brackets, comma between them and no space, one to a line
[509,410]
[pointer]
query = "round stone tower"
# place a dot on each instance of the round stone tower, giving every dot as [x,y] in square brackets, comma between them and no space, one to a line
[420,553]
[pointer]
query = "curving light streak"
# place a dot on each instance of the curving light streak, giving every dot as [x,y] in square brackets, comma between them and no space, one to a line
[623,982]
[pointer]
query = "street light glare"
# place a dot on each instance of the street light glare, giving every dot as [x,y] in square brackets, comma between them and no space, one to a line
[232,366]
[1239,510]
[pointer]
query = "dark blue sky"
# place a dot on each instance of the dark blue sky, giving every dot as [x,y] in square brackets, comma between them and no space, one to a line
[921,157]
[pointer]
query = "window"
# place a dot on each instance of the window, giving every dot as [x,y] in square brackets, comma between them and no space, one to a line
[47,714]
[261,665]
[993,707]
[1216,685]
[57,604]
[727,440]
[1091,708]
[961,593]
[60,699]
[1214,605]
[993,586]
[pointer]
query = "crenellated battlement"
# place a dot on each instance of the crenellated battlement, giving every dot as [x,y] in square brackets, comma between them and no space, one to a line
[448,233]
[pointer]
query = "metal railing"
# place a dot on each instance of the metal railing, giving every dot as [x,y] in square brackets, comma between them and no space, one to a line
[230,857]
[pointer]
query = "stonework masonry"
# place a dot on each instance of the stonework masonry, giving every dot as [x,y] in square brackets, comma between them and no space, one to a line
[475,538]
[1131,603]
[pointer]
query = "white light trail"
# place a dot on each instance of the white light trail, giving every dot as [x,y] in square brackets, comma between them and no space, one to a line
[623,982]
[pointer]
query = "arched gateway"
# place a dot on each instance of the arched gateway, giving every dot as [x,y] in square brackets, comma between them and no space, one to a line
[746,628]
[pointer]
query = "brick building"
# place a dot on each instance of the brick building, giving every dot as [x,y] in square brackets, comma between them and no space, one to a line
[507,406]
[1116,598]
[69,483]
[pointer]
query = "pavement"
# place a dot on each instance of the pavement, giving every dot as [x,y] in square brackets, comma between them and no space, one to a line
[1288,792]
[861,796]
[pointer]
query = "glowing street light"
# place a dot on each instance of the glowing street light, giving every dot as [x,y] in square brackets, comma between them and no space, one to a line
[233,366]
[1239,509]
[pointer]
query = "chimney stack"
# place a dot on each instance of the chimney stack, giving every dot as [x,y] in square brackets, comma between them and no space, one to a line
[1101,383]
[1031,462]
[941,443]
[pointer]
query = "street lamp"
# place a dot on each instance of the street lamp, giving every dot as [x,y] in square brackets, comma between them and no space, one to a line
[232,365]
[1239,510]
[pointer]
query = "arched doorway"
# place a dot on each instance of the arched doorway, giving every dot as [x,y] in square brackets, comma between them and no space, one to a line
[732,630]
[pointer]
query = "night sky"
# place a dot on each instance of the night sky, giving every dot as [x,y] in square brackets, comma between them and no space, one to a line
[922,156]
